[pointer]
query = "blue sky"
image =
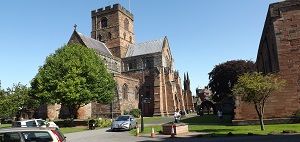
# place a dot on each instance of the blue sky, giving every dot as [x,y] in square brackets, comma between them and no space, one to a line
[201,33]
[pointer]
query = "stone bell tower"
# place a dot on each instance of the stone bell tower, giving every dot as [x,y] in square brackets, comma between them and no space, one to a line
[113,25]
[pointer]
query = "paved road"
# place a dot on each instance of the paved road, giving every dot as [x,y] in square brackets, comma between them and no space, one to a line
[103,135]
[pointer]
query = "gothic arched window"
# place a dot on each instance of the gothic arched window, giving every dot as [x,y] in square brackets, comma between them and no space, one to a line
[136,93]
[125,92]
[109,35]
[99,37]
[104,22]
[126,24]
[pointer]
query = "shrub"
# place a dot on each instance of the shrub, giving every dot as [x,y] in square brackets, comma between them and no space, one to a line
[103,122]
[297,113]
[126,112]
[135,113]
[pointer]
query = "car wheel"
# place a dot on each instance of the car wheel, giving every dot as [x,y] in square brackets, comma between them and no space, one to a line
[130,127]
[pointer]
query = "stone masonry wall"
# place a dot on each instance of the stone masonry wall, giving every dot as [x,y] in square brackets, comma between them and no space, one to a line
[279,53]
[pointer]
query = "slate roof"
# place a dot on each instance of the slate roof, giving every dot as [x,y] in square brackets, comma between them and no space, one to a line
[145,48]
[95,44]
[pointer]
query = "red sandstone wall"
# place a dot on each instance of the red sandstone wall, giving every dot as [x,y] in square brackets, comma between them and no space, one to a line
[279,53]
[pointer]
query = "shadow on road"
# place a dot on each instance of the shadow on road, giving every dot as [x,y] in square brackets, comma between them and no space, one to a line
[112,131]
[256,138]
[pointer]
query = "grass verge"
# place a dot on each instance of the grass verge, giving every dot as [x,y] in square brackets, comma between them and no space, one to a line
[5,125]
[66,130]
[211,124]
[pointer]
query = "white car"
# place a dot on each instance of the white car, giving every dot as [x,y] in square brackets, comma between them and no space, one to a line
[31,135]
[124,122]
[34,123]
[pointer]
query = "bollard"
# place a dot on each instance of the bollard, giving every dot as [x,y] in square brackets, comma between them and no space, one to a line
[172,132]
[137,131]
[152,133]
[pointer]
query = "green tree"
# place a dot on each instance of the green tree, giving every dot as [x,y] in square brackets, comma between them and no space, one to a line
[255,88]
[223,77]
[16,99]
[74,76]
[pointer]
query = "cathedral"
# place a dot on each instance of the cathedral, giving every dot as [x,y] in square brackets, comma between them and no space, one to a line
[144,72]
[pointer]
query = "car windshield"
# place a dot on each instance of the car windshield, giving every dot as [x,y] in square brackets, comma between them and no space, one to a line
[122,118]
[41,122]
[36,136]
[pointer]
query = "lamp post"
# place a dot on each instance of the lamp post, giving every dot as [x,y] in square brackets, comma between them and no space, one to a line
[142,113]
[142,99]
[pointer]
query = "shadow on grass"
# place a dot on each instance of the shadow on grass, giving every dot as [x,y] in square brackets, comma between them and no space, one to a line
[231,138]
[208,120]
[214,130]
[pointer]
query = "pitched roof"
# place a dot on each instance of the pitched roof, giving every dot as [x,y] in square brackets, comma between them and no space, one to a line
[95,44]
[145,47]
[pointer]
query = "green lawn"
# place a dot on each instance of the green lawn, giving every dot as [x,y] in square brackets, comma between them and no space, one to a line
[155,120]
[66,130]
[5,125]
[211,124]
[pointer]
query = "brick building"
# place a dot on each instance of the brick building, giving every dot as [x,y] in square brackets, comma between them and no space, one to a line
[279,53]
[143,71]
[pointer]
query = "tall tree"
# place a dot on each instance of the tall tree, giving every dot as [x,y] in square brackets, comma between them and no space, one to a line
[223,77]
[256,88]
[16,99]
[74,76]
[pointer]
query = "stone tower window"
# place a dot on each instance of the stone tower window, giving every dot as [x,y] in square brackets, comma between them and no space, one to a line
[126,24]
[130,39]
[99,37]
[124,35]
[109,35]
[136,93]
[104,22]
[125,91]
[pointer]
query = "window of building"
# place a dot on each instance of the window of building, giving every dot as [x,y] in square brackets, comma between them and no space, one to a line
[104,22]
[125,91]
[109,35]
[149,63]
[124,35]
[136,93]
[126,24]
[132,65]
[117,67]
[130,39]
[99,37]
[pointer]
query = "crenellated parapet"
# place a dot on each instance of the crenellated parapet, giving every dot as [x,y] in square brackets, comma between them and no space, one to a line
[112,8]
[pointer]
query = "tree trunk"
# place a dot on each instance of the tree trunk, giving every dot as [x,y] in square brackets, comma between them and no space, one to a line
[73,111]
[260,112]
[261,121]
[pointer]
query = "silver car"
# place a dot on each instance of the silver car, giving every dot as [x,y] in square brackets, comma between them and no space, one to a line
[124,122]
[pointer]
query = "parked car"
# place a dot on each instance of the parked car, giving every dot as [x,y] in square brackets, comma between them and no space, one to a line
[32,134]
[34,123]
[124,122]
